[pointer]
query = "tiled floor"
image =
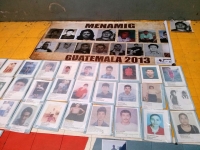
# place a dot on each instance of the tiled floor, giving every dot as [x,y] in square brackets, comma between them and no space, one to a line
[18,39]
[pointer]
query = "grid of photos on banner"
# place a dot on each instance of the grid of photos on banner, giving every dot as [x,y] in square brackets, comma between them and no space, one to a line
[106,39]
[115,100]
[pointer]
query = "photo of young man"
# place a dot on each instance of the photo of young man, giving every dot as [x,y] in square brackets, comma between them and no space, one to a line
[101,114]
[105,91]
[125,123]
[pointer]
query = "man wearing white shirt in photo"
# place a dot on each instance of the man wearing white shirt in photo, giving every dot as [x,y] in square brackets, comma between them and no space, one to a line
[125,123]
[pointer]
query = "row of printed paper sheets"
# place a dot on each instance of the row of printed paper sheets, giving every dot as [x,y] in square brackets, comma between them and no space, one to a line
[110,99]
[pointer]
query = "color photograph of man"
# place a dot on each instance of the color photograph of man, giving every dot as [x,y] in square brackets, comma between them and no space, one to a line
[117,49]
[125,123]
[105,93]
[106,35]
[69,34]
[5,108]
[153,50]
[181,26]
[149,73]
[163,36]
[134,50]
[126,36]
[127,95]
[28,68]
[81,92]
[86,34]
[83,48]
[54,33]
[39,90]
[77,112]
[22,120]
[67,47]
[147,36]
[19,85]
[87,71]
[100,48]
[66,69]
[129,72]
[101,115]
[108,74]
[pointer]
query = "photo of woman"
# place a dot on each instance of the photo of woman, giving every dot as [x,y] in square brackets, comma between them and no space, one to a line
[86,34]
[173,97]
[77,112]
[151,94]
[155,125]
[185,127]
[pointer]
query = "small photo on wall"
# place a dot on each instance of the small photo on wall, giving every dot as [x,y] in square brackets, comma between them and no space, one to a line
[86,34]
[118,49]
[129,73]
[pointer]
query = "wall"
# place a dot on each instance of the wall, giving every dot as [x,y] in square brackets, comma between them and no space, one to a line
[52,10]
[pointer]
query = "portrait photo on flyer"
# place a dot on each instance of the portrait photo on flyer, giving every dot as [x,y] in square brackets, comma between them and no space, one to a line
[150,74]
[76,116]
[68,69]
[173,76]
[128,94]
[180,26]
[153,96]
[109,72]
[28,69]
[179,98]
[61,89]
[2,62]
[129,73]
[24,117]
[100,122]
[10,67]
[156,125]
[17,88]
[186,126]
[50,116]
[4,83]
[127,122]
[113,144]
[82,91]
[104,92]
[38,91]
[88,71]
[47,70]
[7,108]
